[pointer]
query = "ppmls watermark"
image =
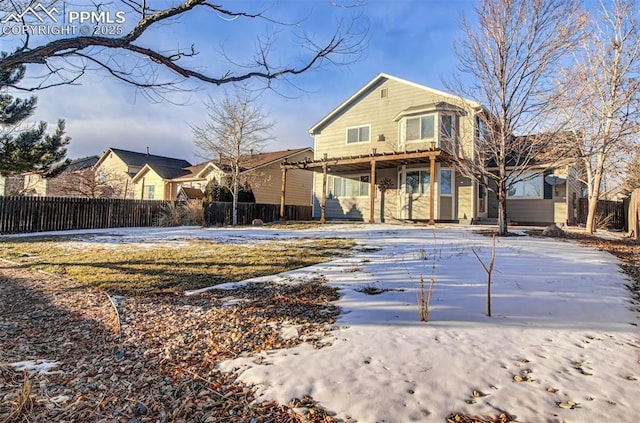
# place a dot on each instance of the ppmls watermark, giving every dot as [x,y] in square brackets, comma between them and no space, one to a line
[40,20]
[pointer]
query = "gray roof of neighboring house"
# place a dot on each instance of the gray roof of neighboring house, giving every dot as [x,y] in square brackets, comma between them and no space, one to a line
[140,159]
[168,172]
[82,163]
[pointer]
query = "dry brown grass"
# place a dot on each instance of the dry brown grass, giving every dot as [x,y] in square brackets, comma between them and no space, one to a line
[22,405]
[168,267]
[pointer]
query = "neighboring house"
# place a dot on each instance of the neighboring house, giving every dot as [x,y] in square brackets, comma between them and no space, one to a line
[405,136]
[262,172]
[145,176]
[152,184]
[34,185]
[11,185]
[77,180]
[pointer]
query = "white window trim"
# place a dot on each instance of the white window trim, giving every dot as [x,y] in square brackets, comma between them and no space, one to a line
[527,178]
[419,169]
[436,122]
[453,181]
[346,135]
[349,176]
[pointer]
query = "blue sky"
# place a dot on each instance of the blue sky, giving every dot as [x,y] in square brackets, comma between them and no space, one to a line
[410,39]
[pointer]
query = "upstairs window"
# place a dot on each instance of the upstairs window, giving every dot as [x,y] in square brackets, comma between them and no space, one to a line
[358,134]
[420,128]
[448,127]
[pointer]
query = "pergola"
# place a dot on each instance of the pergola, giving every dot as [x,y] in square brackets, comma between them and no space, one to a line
[370,162]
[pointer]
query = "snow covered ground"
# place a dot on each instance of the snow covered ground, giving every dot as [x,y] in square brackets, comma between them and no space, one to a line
[562,344]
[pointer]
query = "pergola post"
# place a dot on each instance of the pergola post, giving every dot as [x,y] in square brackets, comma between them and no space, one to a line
[372,190]
[283,192]
[323,205]
[432,176]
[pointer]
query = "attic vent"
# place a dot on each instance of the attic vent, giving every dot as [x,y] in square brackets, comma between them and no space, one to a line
[384,93]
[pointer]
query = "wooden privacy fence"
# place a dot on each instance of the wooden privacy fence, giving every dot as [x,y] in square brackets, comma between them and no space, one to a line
[36,214]
[220,213]
[611,212]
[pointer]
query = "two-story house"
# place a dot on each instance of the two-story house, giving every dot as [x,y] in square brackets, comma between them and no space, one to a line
[389,152]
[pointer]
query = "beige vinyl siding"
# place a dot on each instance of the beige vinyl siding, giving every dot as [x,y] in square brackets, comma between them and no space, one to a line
[574,193]
[151,178]
[465,193]
[266,183]
[530,211]
[35,184]
[390,196]
[536,211]
[117,170]
[357,208]
[378,112]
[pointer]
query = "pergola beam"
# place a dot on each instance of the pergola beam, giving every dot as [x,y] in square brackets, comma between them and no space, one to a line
[364,159]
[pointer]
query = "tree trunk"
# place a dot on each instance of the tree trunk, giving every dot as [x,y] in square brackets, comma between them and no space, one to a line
[236,187]
[502,209]
[382,206]
[594,194]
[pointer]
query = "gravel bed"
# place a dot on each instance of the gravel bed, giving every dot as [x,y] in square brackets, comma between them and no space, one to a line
[148,359]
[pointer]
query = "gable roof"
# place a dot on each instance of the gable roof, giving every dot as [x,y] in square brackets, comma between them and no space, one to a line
[133,158]
[164,172]
[378,79]
[82,163]
[264,159]
[200,170]
[190,193]
[249,163]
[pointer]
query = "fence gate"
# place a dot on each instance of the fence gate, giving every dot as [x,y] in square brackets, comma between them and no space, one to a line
[610,213]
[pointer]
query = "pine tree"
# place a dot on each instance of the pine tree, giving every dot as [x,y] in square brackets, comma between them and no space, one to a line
[27,149]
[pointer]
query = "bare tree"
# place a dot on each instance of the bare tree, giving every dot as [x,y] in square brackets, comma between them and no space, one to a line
[131,57]
[632,172]
[235,129]
[86,183]
[510,59]
[603,102]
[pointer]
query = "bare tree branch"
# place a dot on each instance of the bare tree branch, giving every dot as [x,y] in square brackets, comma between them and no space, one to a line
[236,128]
[116,54]
[603,102]
[511,60]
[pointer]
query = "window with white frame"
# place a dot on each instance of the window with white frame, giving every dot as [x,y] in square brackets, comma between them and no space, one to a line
[358,134]
[420,128]
[418,181]
[149,192]
[529,185]
[449,126]
[352,186]
[446,179]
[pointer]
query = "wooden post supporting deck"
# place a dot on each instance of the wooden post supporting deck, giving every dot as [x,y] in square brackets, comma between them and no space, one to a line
[432,176]
[282,192]
[323,206]
[372,189]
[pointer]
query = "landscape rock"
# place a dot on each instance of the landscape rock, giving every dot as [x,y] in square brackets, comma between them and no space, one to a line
[553,231]
[257,222]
